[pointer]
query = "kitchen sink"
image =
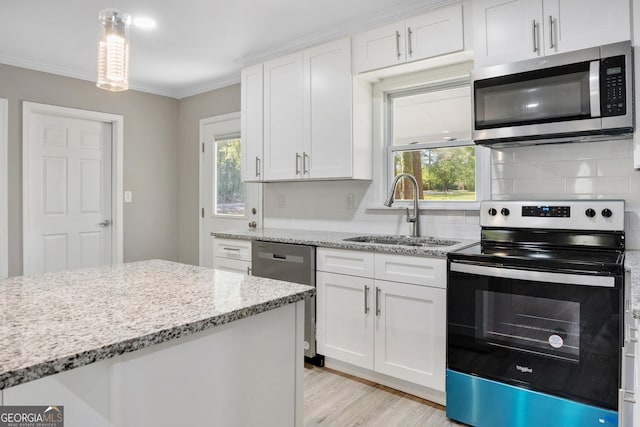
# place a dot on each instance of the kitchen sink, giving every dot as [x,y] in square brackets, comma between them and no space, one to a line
[403,241]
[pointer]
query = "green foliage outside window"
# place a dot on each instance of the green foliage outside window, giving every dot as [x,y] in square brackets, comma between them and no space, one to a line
[230,188]
[446,173]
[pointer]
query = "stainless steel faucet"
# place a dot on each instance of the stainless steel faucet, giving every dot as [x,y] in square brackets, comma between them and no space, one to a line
[414,219]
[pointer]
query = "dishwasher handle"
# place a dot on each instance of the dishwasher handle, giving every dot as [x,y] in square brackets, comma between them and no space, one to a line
[280,257]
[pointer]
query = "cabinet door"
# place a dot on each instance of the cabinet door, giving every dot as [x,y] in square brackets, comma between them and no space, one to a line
[380,48]
[578,24]
[251,104]
[327,114]
[232,249]
[506,31]
[232,265]
[283,117]
[410,333]
[345,318]
[435,33]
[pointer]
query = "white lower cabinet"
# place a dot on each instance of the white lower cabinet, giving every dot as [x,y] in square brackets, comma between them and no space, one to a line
[232,255]
[345,318]
[629,414]
[390,327]
[410,333]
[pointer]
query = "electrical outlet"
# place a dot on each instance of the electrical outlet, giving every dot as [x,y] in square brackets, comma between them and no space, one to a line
[348,201]
[282,201]
[128,196]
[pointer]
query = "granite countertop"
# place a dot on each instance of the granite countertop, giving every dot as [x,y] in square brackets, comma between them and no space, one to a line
[333,239]
[59,321]
[632,263]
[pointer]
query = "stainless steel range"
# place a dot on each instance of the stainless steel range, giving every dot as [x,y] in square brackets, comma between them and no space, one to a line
[535,316]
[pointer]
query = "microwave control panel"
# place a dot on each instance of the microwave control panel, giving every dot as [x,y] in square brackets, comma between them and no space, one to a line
[613,87]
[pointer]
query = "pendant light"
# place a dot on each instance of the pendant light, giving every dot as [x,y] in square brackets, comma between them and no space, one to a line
[113,50]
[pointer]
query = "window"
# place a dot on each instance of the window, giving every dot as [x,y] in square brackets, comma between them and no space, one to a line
[429,137]
[229,195]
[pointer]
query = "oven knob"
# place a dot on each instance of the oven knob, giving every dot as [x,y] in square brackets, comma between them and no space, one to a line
[504,211]
[493,212]
[607,213]
[590,213]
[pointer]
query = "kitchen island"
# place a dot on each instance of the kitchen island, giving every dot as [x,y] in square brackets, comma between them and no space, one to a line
[154,343]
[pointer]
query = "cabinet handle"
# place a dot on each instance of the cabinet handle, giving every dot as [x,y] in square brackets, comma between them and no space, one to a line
[232,249]
[366,298]
[535,36]
[398,43]
[551,36]
[297,164]
[377,301]
[305,161]
[257,166]
[248,271]
[409,33]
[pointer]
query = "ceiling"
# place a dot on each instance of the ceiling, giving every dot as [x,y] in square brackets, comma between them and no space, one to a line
[198,45]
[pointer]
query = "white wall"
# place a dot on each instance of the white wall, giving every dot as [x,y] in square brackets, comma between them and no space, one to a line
[594,170]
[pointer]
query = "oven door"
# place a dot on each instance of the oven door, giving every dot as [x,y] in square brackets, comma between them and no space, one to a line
[556,333]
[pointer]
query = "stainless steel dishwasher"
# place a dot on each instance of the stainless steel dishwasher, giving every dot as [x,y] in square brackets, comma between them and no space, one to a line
[291,263]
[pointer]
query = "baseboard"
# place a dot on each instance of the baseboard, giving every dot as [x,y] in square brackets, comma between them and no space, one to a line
[422,392]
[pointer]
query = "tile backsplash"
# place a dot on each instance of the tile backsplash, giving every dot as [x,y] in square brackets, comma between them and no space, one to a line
[600,170]
[593,170]
[352,206]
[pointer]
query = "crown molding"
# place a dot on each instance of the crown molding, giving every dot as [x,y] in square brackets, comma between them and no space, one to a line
[81,75]
[210,85]
[348,28]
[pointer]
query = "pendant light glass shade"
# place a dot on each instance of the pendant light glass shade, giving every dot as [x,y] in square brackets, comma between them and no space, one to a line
[113,50]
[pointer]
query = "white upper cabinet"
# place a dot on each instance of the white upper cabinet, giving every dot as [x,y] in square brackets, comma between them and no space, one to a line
[251,102]
[327,150]
[380,48]
[283,117]
[316,118]
[513,30]
[606,22]
[432,34]
[435,33]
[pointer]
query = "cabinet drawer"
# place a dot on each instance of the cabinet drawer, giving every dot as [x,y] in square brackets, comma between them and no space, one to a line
[410,269]
[232,249]
[233,265]
[342,261]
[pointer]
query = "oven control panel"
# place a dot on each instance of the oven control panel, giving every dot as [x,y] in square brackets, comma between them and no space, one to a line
[604,215]
[547,211]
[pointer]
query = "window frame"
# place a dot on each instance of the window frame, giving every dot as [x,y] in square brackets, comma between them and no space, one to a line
[483,155]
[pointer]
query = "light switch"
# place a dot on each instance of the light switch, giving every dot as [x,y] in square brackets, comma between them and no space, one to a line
[128,196]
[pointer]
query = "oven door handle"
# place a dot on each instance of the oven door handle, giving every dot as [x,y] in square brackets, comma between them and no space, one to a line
[535,276]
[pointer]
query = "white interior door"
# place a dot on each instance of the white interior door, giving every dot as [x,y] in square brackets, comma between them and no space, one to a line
[226,203]
[68,193]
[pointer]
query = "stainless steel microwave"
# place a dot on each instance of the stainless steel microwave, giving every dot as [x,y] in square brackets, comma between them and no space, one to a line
[580,95]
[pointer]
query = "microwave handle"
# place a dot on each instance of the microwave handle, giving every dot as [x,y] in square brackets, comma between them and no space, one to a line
[594,88]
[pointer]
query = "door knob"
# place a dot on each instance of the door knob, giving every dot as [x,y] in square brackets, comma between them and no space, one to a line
[105,223]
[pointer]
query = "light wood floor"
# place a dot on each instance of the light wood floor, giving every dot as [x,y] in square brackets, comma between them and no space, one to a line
[332,398]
